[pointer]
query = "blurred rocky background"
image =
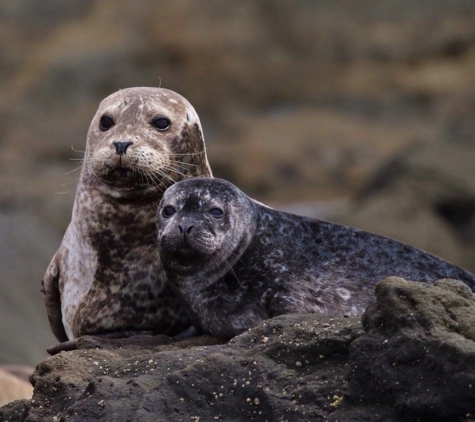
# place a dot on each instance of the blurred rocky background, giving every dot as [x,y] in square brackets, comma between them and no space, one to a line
[359,112]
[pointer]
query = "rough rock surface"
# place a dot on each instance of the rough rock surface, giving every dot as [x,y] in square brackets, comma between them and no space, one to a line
[412,359]
[289,368]
[418,351]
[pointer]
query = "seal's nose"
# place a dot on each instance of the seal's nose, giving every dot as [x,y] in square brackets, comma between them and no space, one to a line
[121,147]
[184,229]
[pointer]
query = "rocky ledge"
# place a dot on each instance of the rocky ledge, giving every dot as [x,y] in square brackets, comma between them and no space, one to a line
[411,357]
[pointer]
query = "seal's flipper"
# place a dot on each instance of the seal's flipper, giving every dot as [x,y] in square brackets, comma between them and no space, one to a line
[52,298]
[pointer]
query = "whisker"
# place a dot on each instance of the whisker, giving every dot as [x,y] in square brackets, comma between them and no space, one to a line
[166,176]
[63,193]
[90,169]
[154,179]
[176,171]
[217,265]
[68,183]
[231,269]
[76,150]
[184,154]
[72,171]
[181,163]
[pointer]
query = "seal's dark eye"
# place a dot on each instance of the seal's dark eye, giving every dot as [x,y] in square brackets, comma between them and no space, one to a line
[168,211]
[106,123]
[216,212]
[161,123]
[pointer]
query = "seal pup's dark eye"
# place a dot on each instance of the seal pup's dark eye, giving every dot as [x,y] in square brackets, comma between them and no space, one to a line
[216,212]
[168,211]
[106,123]
[161,123]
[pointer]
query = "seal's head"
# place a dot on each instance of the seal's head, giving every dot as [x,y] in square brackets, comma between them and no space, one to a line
[143,138]
[202,223]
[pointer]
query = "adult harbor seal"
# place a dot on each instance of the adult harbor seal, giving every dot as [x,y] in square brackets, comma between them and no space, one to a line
[106,276]
[234,262]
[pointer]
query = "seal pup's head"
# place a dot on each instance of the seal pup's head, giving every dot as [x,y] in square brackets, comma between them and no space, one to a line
[204,225]
[143,139]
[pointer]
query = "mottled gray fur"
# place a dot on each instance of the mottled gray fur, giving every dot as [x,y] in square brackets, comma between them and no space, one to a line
[251,263]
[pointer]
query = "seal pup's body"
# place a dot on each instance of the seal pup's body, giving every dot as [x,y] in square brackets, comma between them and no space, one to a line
[106,276]
[235,263]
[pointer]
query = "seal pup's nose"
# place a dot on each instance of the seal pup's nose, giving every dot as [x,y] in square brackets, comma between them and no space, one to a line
[121,147]
[185,229]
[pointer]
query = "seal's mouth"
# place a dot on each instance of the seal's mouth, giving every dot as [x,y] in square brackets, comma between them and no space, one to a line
[122,176]
[122,172]
[186,253]
[119,172]
[183,255]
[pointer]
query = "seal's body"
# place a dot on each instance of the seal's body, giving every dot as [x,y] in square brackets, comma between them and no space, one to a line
[235,263]
[106,275]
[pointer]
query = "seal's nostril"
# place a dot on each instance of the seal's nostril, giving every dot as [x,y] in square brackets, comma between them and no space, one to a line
[188,230]
[121,147]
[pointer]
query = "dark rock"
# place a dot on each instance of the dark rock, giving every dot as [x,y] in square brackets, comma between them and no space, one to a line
[289,368]
[418,352]
[414,361]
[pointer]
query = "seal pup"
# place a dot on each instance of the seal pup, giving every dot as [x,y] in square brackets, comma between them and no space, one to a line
[234,262]
[106,276]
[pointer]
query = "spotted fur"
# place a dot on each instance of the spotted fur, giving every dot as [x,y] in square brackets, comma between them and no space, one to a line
[259,263]
[107,275]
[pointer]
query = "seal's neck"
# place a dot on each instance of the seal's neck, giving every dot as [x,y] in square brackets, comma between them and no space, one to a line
[133,219]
